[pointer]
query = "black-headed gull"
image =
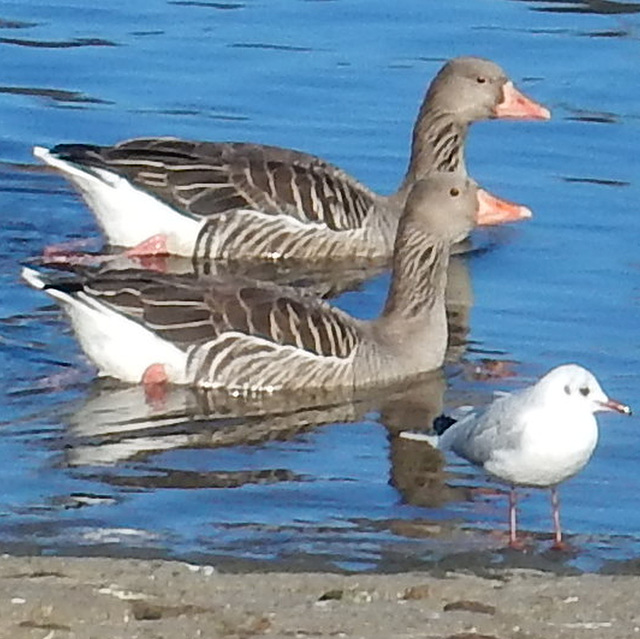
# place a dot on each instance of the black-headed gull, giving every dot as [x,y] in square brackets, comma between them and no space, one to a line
[538,436]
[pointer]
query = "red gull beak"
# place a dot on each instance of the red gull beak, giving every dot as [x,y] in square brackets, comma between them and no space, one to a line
[614,404]
[493,210]
[518,106]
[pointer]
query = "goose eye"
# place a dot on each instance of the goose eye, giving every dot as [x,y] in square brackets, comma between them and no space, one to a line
[481,79]
[584,391]
[567,390]
[454,192]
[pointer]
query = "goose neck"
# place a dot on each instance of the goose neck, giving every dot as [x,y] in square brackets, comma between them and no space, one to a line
[418,277]
[437,145]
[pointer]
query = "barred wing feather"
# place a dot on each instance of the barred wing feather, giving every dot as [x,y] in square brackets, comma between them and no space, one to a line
[185,313]
[208,178]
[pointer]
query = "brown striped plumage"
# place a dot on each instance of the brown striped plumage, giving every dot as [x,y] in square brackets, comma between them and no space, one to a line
[245,336]
[185,311]
[204,179]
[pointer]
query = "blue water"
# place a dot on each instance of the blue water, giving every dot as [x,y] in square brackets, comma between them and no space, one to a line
[92,469]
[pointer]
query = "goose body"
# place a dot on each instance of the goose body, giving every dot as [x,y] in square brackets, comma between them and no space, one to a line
[245,336]
[238,200]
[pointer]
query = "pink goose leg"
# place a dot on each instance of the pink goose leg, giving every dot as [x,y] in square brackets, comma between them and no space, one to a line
[155,380]
[155,245]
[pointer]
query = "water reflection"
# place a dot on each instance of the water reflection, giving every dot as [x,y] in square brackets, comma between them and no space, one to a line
[118,426]
[324,280]
[118,422]
[320,280]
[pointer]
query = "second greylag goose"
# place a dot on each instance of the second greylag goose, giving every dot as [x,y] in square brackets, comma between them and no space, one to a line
[215,200]
[250,337]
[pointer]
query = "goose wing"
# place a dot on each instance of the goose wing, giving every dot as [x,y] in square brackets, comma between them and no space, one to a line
[207,179]
[186,312]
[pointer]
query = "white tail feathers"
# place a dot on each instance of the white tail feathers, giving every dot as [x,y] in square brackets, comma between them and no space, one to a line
[41,153]
[33,278]
[420,437]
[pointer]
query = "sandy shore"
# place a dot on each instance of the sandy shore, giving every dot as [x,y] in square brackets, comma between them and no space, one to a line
[112,598]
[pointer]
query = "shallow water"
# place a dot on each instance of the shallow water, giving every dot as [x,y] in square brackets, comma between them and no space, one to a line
[90,467]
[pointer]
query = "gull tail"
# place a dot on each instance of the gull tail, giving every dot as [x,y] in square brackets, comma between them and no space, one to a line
[432,440]
[440,425]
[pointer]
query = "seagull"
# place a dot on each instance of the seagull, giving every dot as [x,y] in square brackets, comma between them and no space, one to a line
[539,436]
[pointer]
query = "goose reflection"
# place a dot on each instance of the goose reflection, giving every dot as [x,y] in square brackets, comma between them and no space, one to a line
[118,422]
[117,426]
[322,279]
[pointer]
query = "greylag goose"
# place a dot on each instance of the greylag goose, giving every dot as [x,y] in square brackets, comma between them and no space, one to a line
[215,200]
[248,336]
[539,436]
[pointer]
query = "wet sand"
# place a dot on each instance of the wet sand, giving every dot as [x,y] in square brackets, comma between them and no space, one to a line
[46,598]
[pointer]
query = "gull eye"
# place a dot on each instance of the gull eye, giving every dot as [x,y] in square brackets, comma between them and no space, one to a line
[454,192]
[584,391]
[567,390]
[481,79]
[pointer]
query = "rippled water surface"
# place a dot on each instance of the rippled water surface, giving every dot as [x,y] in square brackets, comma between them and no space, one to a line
[91,467]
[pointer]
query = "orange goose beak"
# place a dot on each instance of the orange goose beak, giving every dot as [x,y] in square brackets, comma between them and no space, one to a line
[492,210]
[518,106]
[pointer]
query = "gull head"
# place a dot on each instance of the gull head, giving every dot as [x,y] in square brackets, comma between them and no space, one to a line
[575,385]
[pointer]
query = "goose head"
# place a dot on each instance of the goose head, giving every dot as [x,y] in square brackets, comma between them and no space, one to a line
[472,89]
[443,206]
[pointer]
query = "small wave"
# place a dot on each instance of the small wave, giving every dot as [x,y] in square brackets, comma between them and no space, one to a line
[59,44]
[58,95]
